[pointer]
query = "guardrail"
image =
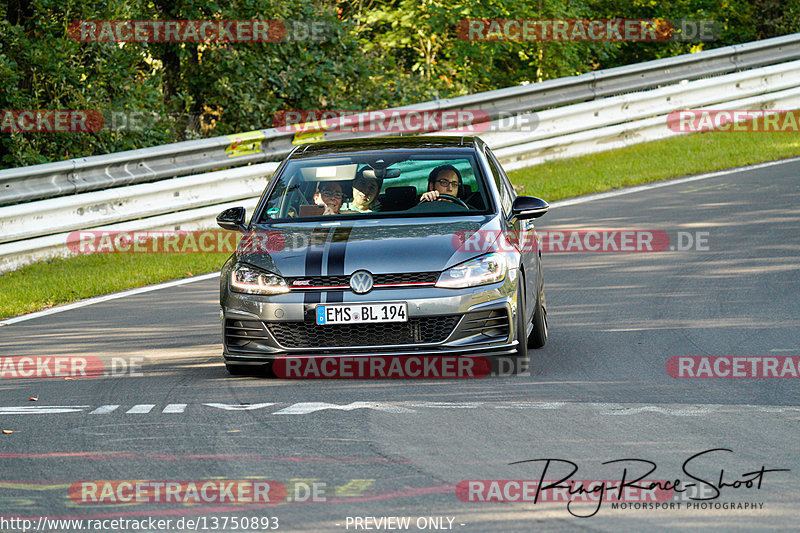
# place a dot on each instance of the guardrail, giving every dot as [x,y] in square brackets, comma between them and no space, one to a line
[192,157]
[75,176]
[631,118]
[38,230]
[98,208]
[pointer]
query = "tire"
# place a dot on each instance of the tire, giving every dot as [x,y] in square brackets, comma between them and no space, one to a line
[538,336]
[522,324]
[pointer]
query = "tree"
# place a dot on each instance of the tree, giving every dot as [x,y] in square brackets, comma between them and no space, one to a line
[374,54]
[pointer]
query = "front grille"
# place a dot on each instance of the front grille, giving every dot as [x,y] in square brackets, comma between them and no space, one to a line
[244,334]
[419,330]
[319,281]
[406,277]
[379,279]
[492,323]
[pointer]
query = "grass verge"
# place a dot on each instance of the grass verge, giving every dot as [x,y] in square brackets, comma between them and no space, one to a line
[46,284]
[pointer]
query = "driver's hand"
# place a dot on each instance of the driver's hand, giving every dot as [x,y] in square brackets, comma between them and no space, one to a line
[430,196]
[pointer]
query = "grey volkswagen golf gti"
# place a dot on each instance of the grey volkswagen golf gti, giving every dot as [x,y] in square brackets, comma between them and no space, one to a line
[384,246]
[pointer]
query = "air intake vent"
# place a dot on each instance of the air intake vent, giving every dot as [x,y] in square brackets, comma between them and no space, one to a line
[492,323]
[244,334]
[421,330]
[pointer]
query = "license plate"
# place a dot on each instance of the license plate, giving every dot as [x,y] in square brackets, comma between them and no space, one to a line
[361,313]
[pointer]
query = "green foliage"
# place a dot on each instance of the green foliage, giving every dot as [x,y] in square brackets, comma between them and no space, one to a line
[178,91]
[43,68]
[423,39]
[378,54]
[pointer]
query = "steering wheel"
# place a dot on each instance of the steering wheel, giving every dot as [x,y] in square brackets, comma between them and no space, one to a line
[452,198]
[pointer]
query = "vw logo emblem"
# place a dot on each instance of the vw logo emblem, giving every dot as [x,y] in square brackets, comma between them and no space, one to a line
[361,282]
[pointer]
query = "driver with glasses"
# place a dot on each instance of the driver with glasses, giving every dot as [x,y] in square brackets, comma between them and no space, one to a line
[445,179]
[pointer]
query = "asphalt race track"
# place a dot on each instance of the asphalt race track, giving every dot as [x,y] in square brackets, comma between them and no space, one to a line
[599,391]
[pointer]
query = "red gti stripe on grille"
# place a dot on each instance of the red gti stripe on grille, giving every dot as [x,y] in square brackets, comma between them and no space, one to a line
[418,284]
[377,285]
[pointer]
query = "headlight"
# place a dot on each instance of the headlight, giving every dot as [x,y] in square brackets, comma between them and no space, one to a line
[489,268]
[251,281]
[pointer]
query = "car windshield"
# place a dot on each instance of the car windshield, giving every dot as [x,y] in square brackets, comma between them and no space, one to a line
[378,185]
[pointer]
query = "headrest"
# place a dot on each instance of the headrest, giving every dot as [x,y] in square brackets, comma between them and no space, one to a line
[399,198]
[401,193]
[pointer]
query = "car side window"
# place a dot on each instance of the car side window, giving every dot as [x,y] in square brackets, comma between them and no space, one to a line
[500,180]
[504,177]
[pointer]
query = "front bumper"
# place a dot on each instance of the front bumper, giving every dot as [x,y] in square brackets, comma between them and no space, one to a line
[466,322]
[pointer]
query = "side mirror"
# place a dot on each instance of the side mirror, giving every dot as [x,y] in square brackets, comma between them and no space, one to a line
[526,207]
[232,219]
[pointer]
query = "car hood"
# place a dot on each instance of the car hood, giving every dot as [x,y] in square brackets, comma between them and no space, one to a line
[379,246]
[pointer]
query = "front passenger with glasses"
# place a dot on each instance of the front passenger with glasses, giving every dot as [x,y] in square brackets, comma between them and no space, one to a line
[329,195]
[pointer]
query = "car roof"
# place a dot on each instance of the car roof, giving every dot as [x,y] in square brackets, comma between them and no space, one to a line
[370,144]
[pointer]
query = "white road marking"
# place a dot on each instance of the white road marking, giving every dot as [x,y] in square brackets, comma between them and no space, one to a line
[532,405]
[617,410]
[238,407]
[447,405]
[554,205]
[42,409]
[140,409]
[311,407]
[606,409]
[104,409]
[776,409]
